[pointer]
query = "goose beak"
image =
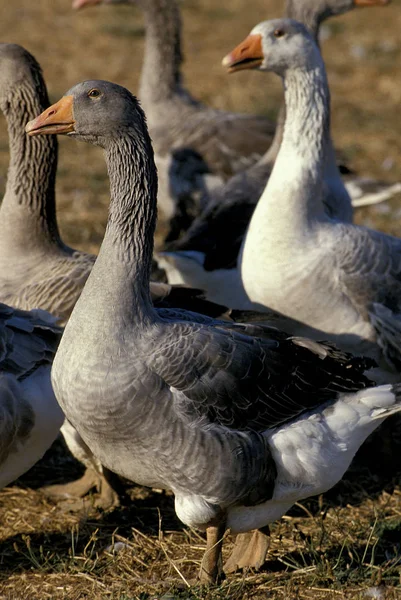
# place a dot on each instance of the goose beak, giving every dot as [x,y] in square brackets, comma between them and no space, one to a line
[77,4]
[58,118]
[371,2]
[247,55]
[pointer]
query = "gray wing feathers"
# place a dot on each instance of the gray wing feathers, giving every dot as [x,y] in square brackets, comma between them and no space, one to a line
[227,142]
[54,286]
[244,382]
[27,340]
[16,417]
[370,275]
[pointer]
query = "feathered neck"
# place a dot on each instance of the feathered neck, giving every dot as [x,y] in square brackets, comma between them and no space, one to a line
[122,269]
[161,70]
[338,202]
[28,211]
[293,195]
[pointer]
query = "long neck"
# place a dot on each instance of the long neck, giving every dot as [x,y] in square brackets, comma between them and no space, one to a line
[124,260]
[161,77]
[293,195]
[337,200]
[310,15]
[28,213]
[295,9]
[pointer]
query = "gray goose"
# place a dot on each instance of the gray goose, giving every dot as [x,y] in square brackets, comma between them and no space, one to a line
[214,239]
[37,270]
[240,421]
[340,279]
[30,417]
[228,142]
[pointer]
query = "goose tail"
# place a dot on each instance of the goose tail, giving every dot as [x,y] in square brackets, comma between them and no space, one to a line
[384,400]
[355,416]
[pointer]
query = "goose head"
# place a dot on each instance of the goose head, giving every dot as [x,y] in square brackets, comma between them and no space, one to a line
[277,45]
[93,111]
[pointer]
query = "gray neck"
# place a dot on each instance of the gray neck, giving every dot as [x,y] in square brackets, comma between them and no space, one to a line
[295,9]
[297,199]
[161,77]
[28,212]
[122,270]
[310,16]
[337,200]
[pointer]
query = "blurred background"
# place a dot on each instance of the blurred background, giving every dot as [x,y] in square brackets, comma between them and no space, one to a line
[362,51]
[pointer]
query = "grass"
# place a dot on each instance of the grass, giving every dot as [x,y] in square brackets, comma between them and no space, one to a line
[344,545]
[340,545]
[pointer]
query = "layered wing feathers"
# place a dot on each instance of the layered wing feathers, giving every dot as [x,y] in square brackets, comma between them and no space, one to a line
[27,340]
[220,373]
[369,268]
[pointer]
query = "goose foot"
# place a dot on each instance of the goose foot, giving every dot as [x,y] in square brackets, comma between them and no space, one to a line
[104,483]
[111,490]
[211,567]
[250,550]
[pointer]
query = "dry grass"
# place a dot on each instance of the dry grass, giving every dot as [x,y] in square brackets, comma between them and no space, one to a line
[336,547]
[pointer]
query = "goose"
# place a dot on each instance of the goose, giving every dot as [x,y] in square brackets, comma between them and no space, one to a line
[341,279]
[30,415]
[211,246]
[228,142]
[239,421]
[37,269]
[192,151]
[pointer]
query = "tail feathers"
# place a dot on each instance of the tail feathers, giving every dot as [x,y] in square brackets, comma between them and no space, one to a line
[383,413]
[383,401]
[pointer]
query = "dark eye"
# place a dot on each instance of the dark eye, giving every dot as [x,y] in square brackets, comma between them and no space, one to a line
[278,33]
[94,93]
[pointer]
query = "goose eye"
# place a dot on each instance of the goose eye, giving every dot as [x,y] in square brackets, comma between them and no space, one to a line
[278,33]
[94,93]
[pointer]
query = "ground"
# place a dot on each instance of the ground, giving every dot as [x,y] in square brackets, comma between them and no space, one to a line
[346,544]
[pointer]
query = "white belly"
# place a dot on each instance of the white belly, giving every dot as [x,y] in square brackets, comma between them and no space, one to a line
[48,419]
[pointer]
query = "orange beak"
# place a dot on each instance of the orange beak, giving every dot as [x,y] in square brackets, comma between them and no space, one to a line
[371,2]
[77,4]
[58,118]
[247,55]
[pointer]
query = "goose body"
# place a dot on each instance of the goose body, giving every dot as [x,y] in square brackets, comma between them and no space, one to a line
[239,421]
[30,415]
[218,231]
[339,278]
[37,269]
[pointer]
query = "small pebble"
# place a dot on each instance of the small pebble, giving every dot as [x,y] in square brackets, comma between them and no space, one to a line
[358,52]
[388,163]
[116,548]
[375,592]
